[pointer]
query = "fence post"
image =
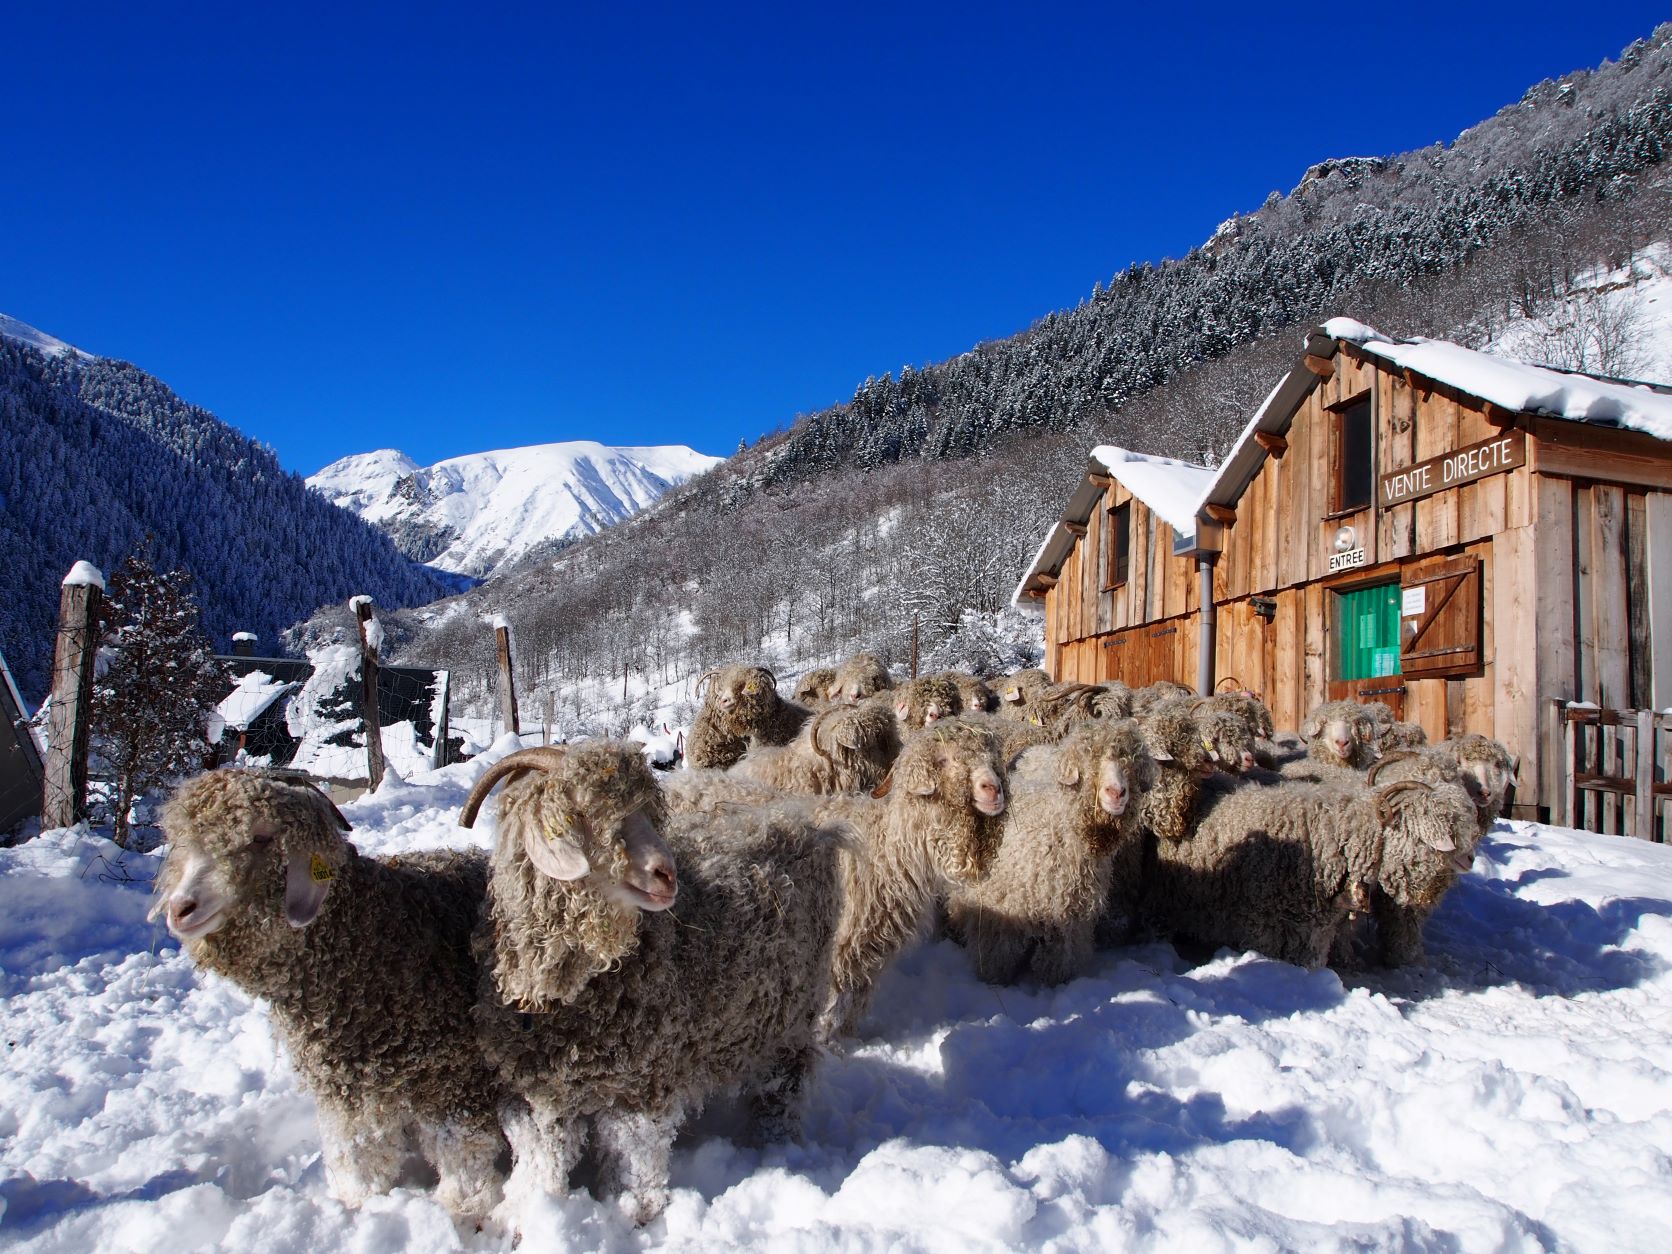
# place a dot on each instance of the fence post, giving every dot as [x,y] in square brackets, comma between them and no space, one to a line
[547,704]
[1571,815]
[507,685]
[1644,826]
[64,784]
[916,622]
[371,639]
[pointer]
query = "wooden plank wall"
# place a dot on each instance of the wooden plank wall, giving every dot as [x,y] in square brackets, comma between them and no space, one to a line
[1078,608]
[1576,574]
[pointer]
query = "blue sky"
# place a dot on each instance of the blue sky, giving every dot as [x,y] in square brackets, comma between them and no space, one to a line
[447,230]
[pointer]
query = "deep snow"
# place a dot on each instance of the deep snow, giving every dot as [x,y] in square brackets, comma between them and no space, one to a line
[1515,1096]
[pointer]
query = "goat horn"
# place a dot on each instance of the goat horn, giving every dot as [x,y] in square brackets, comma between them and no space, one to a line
[702,680]
[1233,681]
[1397,755]
[546,757]
[770,675]
[1386,800]
[813,735]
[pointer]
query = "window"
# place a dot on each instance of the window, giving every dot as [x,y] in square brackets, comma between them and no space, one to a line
[1119,536]
[1367,632]
[1355,457]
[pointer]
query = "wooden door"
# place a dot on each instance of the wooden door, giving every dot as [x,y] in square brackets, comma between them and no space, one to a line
[1364,636]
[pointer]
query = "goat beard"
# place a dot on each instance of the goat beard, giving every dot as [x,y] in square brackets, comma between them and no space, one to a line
[1104,831]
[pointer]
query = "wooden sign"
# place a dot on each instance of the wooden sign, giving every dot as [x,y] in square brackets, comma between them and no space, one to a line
[1452,470]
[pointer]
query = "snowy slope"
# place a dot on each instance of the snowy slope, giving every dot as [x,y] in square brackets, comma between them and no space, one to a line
[469,514]
[1517,1096]
[23,333]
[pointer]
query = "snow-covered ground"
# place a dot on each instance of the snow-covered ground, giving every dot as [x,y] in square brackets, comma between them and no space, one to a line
[1518,1095]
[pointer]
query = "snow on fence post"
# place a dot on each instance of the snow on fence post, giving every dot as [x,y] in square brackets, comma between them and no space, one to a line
[548,701]
[64,787]
[507,685]
[371,641]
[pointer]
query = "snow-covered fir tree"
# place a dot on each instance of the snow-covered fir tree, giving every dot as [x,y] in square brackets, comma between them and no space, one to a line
[158,686]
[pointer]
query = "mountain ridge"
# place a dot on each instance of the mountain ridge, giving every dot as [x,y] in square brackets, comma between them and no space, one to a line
[475,512]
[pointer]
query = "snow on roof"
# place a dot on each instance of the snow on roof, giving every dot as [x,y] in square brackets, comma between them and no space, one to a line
[254,694]
[245,635]
[1516,385]
[84,574]
[1170,488]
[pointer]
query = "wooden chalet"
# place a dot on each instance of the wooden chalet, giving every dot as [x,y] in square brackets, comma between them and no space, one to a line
[1474,541]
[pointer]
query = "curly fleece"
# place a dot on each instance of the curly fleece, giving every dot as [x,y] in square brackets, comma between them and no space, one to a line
[1279,869]
[722,989]
[923,836]
[1037,909]
[372,998]
[720,734]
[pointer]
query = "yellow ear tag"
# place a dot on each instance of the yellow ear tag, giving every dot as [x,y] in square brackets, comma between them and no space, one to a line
[1207,744]
[319,870]
[554,828]
[1034,719]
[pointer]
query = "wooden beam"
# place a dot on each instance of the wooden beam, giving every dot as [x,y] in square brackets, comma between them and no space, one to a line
[368,691]
[1045,581]
[1224,515]
[1497,415]
[1274,444]
[1038,594]
[1421,386]
[1075,529]
[1323,367]
[1102,481]
[64,786]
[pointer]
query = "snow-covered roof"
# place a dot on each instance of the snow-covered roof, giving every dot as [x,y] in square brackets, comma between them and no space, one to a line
[1512,385]
[254,694]
[1516,385]
[1170,488]
[1167,486]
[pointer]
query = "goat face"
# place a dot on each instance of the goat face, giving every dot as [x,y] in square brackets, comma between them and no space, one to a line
[246,842]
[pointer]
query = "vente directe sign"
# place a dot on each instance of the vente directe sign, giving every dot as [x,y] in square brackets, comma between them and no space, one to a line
[1451,470]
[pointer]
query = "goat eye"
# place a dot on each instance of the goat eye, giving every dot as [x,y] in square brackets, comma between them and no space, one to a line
[261,839]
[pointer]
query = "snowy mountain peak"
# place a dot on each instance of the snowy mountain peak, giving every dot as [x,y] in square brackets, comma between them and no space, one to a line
[470,514]
[23,333]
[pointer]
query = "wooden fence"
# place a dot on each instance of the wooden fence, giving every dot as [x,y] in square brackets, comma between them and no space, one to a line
[1613,770]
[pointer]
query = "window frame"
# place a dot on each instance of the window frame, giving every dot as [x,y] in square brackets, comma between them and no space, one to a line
[1117,554]
[1337,455]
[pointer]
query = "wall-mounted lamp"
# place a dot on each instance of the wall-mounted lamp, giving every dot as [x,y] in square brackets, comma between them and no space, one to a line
[1345,538]
[1265,607]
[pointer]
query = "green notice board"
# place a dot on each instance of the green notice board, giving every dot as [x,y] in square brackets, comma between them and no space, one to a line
[1367,632]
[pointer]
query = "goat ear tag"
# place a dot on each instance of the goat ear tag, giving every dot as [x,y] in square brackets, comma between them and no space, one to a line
[319,870]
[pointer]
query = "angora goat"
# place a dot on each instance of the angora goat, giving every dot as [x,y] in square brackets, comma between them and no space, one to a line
[1038,907]
[366,965]
[624,993]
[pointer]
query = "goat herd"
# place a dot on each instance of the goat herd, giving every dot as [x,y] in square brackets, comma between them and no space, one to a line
[635,945]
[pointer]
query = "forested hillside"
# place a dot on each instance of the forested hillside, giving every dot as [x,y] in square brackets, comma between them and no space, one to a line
[96,454]
[1349,228]
[924,497]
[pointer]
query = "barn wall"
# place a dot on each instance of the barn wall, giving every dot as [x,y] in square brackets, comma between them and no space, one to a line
[1575,574]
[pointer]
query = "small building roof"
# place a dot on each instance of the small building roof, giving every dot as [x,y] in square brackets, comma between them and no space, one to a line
[255,694]
[1517,387]
[1171,489]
